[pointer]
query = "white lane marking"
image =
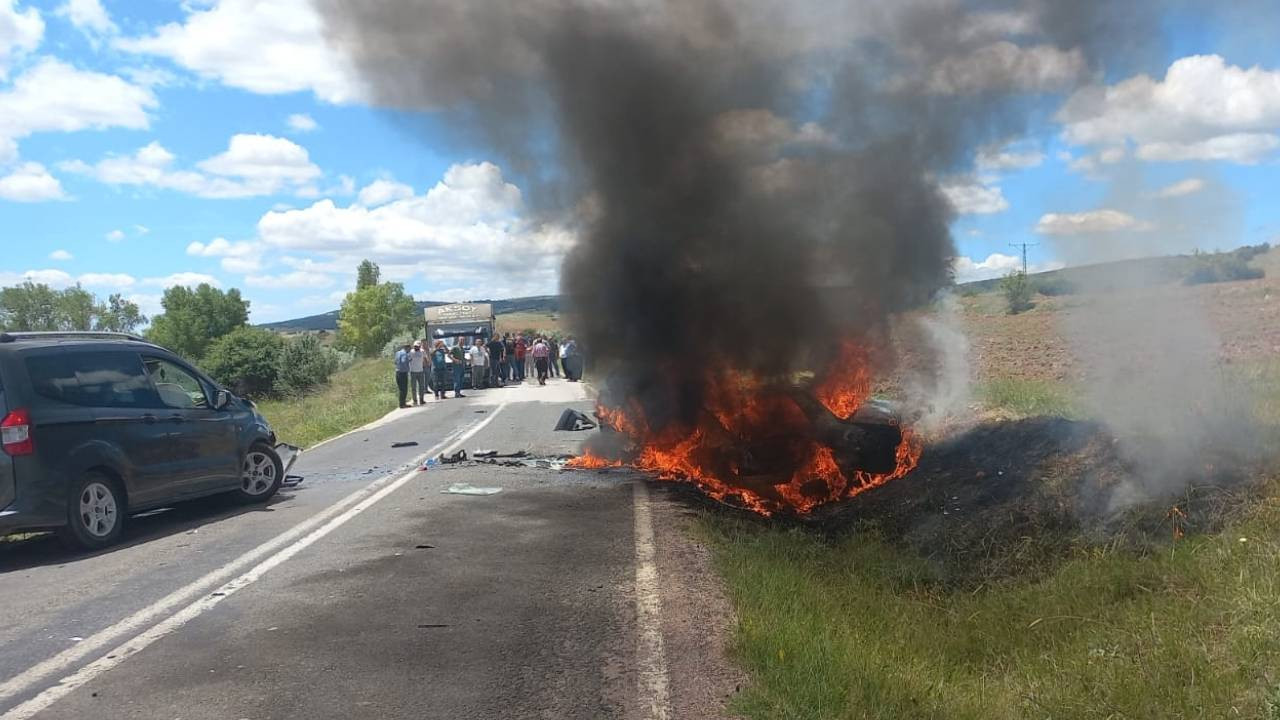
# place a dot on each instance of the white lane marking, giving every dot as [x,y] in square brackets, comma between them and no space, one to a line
[371,494]
[651,658]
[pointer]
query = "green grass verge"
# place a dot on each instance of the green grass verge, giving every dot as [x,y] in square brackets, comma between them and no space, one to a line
[862,629]
[357,395]
[1027,398]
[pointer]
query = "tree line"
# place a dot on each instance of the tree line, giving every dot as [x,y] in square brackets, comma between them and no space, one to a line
[210,327]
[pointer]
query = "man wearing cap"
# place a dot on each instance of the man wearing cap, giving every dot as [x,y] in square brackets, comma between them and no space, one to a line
[402,374]
[418,373]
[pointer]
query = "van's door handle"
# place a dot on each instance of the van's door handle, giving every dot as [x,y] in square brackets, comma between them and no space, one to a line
[149,419]
[177,418]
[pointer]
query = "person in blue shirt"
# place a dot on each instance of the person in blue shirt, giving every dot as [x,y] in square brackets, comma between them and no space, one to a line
[402,374]
[440,368]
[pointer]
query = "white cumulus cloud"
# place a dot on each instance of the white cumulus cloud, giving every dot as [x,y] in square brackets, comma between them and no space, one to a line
[88,16]
[114,281]
[236,257]
[30,182]
[54,96]
[1092,222]
[114,236]
[995,265]
[970,197]
[252,165]
[20,33]
[1181,188]
[1008,157]
[381,192]
[263,46]
[302,122]
[61,255]
[186,279]
[291,280]
[1203,109]
[469,227]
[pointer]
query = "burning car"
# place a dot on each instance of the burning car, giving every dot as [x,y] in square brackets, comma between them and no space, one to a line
[766,444]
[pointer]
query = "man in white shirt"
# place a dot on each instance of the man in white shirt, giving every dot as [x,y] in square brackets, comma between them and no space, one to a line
[479,361]
[418,373]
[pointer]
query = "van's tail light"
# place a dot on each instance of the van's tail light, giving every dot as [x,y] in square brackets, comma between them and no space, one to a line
[15,433]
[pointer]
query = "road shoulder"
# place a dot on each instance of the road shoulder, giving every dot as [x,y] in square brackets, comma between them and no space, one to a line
[698,617]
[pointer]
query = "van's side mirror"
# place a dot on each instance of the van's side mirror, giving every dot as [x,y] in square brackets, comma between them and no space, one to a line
[221,399]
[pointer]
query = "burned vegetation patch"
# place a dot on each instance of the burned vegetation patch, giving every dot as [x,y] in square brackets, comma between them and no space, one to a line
[1015,499]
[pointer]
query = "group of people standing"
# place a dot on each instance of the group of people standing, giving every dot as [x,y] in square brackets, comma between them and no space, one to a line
[507,359]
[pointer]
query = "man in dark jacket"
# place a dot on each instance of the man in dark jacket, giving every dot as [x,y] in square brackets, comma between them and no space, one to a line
[497,351]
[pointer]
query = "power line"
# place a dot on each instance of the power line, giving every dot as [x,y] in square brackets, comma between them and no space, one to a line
[1024,247]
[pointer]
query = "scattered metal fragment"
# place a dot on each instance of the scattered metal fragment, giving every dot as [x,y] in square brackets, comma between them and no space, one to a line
[404,443]
[460,456]
[432,625]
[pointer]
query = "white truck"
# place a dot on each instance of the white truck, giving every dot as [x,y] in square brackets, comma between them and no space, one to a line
[460,322]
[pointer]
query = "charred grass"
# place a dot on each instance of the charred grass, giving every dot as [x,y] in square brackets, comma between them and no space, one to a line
[996,582]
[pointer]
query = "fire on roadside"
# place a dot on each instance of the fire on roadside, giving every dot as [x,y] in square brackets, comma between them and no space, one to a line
[753,444]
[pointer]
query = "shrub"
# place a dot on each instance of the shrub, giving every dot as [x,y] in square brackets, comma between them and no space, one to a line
[304,364]
[1017,292]
[1053,285]
[246,360]
[1221,267]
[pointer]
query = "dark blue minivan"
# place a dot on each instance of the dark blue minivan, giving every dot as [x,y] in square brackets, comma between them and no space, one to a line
[98,426]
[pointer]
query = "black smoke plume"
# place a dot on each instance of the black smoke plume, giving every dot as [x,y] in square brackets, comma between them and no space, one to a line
[749,181]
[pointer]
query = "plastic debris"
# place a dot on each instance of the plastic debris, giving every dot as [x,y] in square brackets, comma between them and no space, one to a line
[405,443]
[466,489]
[496,454]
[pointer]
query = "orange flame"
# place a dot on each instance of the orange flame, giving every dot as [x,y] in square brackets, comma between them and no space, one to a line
[744,416]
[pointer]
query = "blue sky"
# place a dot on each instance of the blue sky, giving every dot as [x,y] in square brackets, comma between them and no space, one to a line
[144,144]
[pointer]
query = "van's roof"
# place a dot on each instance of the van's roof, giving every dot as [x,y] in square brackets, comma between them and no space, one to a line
[26,340]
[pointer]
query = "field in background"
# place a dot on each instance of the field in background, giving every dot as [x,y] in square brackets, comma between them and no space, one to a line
[542,322]
[357,395]
[862,624]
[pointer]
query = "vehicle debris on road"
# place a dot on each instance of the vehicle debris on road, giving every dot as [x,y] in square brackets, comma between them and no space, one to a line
[572,419]
[467,489]
[404,443]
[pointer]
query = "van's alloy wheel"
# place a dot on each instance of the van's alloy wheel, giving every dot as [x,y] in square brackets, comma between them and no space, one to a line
[98,511]
[259,473]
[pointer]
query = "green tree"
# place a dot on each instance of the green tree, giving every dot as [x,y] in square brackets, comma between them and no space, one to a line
[32,306]
[29,306]
[120,315]
[371,316]
[304,364]
[76,309]
[1018,290]
[367,274]
[194,318]
[247,360]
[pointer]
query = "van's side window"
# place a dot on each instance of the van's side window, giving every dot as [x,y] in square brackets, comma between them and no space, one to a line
[94,379]
[177,387]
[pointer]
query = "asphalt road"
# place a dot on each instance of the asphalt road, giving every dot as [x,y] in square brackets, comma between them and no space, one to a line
[364,592]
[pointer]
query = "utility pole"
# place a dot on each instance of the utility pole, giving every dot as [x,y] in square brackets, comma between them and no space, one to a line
[1024,246]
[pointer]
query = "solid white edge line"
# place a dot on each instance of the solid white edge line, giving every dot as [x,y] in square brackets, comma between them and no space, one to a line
[132,647]
[653,690]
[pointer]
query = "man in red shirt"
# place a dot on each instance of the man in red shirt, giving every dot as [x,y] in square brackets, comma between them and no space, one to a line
[520,351]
